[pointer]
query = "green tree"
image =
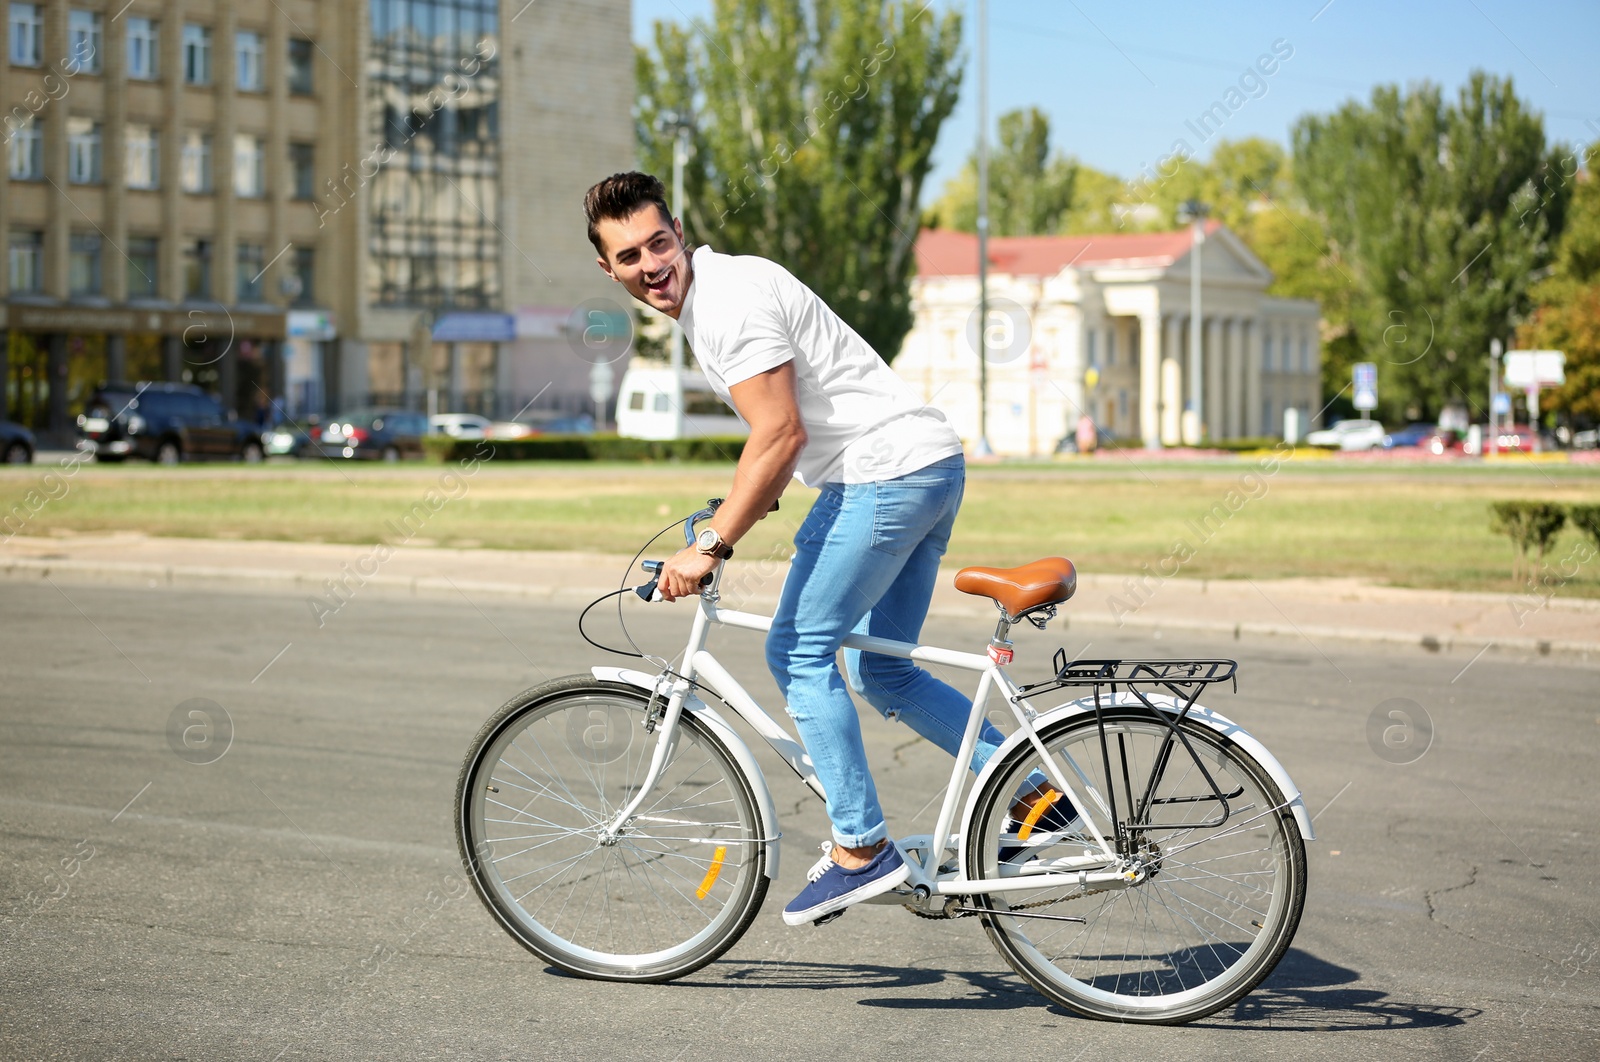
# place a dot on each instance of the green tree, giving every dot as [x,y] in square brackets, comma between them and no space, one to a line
[1566,316]
[1424,205]
[814,127]
[1029,191]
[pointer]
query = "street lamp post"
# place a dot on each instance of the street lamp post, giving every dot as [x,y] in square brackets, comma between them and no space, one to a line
[1194,211]
[679,125]
[982,448]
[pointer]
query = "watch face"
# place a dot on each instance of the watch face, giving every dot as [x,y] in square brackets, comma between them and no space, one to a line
[708,539]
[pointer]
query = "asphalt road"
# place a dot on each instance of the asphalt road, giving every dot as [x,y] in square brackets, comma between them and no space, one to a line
[299,897]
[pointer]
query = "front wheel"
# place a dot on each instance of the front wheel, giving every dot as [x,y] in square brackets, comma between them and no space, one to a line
[1209,904]
[672,891]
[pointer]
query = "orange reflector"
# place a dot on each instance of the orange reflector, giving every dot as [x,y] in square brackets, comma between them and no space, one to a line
[711,873]
[1035,812]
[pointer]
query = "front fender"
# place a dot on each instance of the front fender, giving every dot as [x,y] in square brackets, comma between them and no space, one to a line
[765,807]
[1166,703]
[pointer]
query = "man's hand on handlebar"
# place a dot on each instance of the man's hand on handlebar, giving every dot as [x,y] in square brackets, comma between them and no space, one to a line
[681,574]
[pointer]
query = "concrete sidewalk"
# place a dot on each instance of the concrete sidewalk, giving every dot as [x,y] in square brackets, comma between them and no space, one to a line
[1306,610]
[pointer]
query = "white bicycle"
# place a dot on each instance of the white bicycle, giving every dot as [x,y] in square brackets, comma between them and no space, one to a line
[618,827]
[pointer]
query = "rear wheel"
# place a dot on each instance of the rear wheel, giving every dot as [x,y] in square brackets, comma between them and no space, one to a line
[18,454]
[1209,910]
[252,453]
[674,890]
[168,453]
[391,454]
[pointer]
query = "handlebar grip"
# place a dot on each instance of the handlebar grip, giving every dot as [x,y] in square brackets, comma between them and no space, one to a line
[649,591]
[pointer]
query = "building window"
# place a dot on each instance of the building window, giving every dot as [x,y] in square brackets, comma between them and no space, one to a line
[251,264]
[83,264]
[83,151]
[142,157]
[197,163]
[197,270]
[1093,354]
[27,261]
[144,267]
[1305,355]
[26,154]
[302,288]
[144,35]
[249,167]
[27,33]
[1266,353]
[248,52]
[83,40]
[302,167]
[432,238]
[196,54]
[299,66]
[1111,346]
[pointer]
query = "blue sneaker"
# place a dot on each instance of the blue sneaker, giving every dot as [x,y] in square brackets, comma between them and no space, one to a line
[1059,816]
[832,888]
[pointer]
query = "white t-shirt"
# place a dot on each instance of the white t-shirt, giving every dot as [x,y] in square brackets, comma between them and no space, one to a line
[744,315]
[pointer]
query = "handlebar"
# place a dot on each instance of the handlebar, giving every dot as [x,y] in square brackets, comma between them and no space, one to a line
[648,591]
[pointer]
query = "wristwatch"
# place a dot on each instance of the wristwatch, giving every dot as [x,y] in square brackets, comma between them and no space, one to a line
[710,543]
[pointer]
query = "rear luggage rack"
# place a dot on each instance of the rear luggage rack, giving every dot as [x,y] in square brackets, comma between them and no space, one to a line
[1183,680]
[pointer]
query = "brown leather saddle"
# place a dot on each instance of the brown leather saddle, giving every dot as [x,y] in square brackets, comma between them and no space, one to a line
[1017,590]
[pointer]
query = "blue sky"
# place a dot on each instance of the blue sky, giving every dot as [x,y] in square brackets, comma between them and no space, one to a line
[1120,80]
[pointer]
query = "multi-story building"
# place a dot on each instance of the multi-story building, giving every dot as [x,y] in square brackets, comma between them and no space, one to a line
[314,204]
[1100,324]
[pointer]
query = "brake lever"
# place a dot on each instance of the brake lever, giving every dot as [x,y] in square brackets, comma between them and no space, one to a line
[651,592]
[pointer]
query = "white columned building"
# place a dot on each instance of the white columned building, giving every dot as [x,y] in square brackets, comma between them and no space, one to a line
[1117,304]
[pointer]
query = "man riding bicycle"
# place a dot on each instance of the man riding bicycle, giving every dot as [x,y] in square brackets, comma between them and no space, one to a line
[824,408]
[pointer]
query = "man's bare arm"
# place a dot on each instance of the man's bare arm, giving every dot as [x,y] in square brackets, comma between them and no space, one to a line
[769,404]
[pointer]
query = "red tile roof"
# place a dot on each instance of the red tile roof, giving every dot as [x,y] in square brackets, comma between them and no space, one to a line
[941,252]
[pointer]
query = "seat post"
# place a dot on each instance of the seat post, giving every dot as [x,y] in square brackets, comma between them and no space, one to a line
[1000,645]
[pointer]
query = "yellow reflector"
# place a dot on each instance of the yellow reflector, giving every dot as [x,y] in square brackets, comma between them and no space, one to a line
[1035,812]
[711,872]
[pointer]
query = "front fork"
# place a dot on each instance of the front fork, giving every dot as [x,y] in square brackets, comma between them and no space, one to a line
[676,695]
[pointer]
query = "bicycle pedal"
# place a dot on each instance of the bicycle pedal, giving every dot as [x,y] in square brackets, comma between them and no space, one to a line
[829,917]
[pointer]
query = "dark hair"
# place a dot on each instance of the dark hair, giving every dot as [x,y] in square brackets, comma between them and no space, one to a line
[620,196]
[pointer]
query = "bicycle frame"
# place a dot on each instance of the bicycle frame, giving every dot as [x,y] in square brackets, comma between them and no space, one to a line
[1094,867]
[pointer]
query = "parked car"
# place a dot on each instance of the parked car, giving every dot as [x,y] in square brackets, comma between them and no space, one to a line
[459,425]
[1443,441]
[376,434]
[165,423]
[1410,435]
[542,424]
[1349,435]
[287,439]
[1588,439]
[16,444]
[1068,443]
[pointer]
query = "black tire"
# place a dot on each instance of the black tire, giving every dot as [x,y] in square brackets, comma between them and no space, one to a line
[168,453]
[391,454]
[18,454]
[561,780]
[1187,939]
[252,454]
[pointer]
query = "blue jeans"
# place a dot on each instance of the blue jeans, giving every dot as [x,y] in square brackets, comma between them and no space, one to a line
[866,560]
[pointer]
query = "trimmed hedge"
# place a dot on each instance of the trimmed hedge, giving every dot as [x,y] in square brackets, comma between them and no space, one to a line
[584,448]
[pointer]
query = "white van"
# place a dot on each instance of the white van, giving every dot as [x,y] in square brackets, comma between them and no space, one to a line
[644,405]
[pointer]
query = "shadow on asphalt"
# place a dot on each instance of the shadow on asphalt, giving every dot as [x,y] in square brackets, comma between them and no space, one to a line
[1304,993]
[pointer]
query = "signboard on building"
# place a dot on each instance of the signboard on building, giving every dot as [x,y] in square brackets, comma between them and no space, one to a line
[475,328]
[312,324]
[1365,383]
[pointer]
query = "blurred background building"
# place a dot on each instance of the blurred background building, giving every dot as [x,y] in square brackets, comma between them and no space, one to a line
[1099,324]
[305,206]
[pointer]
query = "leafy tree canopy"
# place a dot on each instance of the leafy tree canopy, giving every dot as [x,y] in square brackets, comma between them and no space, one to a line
[814,123]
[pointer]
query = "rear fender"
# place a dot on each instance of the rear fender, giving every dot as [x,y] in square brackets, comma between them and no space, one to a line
[1168,704]
[765,807]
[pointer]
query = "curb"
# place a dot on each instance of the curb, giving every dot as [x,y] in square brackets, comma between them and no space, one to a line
[146,575]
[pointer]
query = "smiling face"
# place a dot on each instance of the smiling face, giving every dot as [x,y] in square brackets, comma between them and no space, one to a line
[645,253]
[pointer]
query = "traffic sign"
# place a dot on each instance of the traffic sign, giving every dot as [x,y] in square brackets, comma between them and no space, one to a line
[1366,385]
[1500,405]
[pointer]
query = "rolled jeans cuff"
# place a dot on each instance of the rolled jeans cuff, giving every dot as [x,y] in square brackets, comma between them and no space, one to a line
[862,840]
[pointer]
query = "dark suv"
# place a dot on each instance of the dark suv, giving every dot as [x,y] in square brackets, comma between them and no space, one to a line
[381,434]
[165,422]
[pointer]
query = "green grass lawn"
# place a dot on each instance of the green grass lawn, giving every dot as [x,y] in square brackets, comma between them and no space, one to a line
[1420,527]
